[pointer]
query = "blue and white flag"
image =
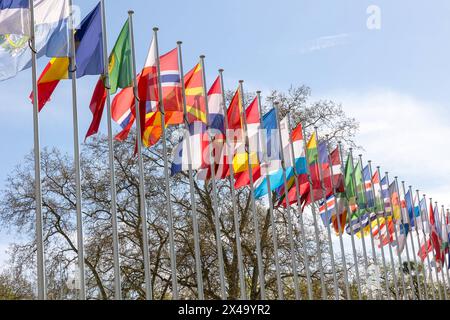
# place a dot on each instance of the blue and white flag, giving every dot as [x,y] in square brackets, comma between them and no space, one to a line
[51,33]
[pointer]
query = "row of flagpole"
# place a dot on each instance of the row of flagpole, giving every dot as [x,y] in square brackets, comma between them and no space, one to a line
[444,275]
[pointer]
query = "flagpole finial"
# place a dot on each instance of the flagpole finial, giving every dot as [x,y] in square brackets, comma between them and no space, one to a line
[155,29]
[351,149]
[370,161]
[221,70]
[179,42]
[202,56]
[130,12]
[241,81]
[258,92]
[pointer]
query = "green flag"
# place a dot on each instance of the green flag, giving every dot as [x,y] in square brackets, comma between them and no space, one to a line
[120,61]
[349,185]
[360,186]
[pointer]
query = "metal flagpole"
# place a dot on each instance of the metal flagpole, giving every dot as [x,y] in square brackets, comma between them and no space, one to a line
[425,294]
[386,221]
[112,173]
[142,205]
[252,198]
[352,233]
[42,290]
[234,200]
[288,207]
[190,171]
[363,242]
[76,146]
[214,187]
[374,254]
[271,214]
[444,286]
[300,215]
[434,256]
[412,242]
[338,219]
[425,243]
[399,256]
[406,241]
[328,227]
[383,258]
[445,260]
[316,226]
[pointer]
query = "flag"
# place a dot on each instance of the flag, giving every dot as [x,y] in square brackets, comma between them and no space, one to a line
[241,156]
[120,76]
[338,177]
[298,144]
[88,56]
[395,203]
[410,208]
[51,33]
[216,129]
[368,184]
[360,187]
[435,238]
[425,250]
[383,231]
[350,189]
[325,168]
[385,196]
[198,142]
[327,209]
[401,240]
[312,158]
[148,92]
[195,102]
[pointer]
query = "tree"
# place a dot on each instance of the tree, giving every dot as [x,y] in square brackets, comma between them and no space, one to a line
[17,213]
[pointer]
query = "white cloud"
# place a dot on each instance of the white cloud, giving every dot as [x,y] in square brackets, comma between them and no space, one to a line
[326,42]
[404,135]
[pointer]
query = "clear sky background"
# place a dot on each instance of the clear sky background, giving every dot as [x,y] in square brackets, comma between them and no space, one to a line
[394,81]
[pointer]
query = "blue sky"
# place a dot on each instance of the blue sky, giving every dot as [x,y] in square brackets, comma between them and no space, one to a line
[395,80]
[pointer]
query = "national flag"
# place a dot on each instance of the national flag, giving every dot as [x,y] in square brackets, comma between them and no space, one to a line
[410,208]
[325,168]
[425,250]
[195,102]
[435,238]
[401,240]
[395,202]
[360,187]
[385,196]
[327,209]
[120,76]
[369,188]
[241,156]
[338,176]
[312,158]
[51,33]
[383,231]
[198,142]
[88,56]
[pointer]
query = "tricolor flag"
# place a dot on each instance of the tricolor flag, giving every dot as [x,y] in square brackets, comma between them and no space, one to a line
[370,197]
[51,33]
[241,156]
[338,175]
[120,76]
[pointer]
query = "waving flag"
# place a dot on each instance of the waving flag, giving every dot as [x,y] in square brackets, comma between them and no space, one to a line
[338,176]
[241,156]
[216,128]
[435,238]
[369,194]
[410,208]
[120,76]
[51,33]
[88,56]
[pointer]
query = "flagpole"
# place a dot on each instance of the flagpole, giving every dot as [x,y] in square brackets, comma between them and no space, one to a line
[363,242]
[425,294]
[399,256]
[40,254]
[316,226]
[352,233]
[383,258]
[271,214]
[433,288]
[411,239]
[445,260]
[412,242]
[444,285]
[300,214]
[252,198]
[142,204]
[77,164]
[288,207]
[330,243]
[112,173]
[406,240]
[374,254]
[236,217]
[434,255]
[338,219]
[446,235]
[214,187]
[190,171]
[386,221]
